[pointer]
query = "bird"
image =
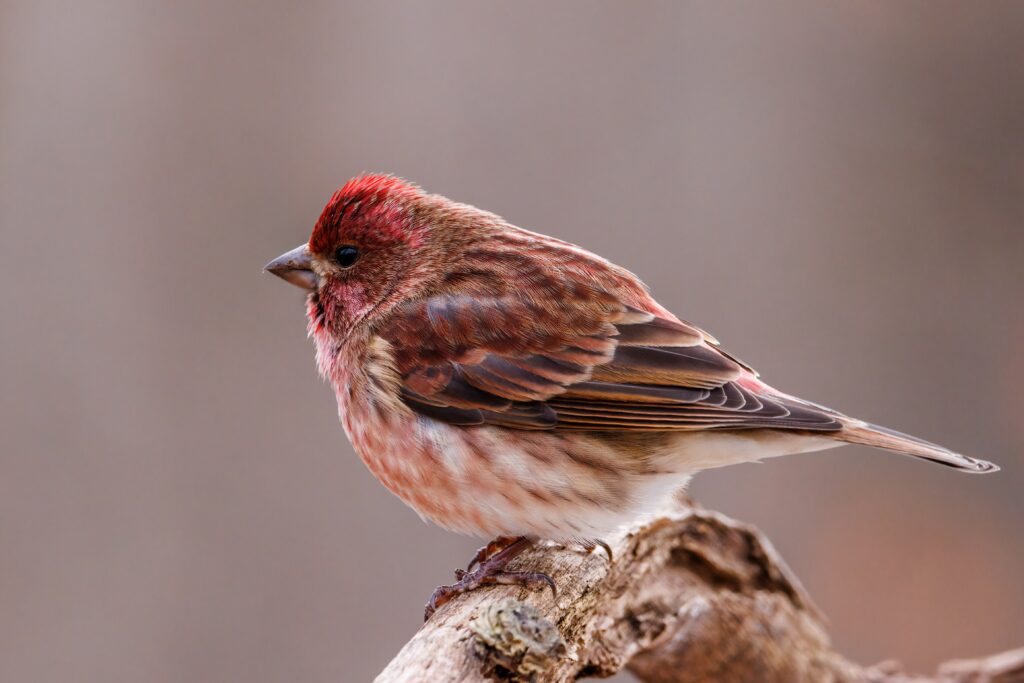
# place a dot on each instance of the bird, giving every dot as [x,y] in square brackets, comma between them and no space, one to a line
[510,385]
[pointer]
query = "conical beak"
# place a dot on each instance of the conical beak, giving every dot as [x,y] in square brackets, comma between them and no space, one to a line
[295,266]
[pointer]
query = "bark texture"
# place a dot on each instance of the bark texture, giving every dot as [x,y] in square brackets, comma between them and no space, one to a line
[691,596]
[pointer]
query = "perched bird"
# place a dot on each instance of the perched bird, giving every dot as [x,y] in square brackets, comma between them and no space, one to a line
[505,383]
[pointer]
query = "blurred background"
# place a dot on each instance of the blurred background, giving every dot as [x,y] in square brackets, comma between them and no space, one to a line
[836,191]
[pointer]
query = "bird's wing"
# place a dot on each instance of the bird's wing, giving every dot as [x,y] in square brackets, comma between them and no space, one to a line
[589,363]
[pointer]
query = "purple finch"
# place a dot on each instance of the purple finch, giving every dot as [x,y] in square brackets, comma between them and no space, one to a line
[505,383]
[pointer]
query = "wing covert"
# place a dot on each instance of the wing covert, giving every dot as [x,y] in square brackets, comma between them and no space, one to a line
[591,364]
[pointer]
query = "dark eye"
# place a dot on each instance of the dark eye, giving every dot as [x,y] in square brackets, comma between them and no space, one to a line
[346,256]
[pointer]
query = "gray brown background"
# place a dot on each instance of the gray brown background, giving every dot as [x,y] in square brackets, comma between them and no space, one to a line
[834,190]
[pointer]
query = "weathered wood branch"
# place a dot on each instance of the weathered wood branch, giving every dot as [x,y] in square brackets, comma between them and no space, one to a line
[691,596]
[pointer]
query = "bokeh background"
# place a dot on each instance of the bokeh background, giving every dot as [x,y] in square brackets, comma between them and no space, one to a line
[835,190]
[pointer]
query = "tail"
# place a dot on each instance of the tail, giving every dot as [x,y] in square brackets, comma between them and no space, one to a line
[859,432]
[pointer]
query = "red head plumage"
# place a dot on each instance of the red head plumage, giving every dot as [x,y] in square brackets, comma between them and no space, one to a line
[368,209]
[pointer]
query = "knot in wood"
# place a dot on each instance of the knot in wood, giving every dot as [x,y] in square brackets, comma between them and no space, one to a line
[515,641]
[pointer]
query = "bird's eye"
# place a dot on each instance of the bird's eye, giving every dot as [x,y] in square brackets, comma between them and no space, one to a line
[346,256]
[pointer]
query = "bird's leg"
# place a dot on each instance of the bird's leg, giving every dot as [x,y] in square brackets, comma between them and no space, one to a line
[499,543]
[491,570]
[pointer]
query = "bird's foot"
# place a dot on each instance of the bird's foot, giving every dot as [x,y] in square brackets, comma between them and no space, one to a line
[492,560]
[492,548]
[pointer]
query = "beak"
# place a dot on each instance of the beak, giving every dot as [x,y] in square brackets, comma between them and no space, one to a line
[295,266]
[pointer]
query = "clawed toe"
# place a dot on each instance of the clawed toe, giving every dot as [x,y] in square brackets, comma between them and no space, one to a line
[591,545]
[491,559]
[468,581]
[441,595]
[528,579]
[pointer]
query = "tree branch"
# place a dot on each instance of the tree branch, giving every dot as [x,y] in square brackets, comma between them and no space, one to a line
[692,596]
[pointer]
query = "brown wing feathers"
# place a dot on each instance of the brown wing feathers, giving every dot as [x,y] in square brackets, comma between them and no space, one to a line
[616,367]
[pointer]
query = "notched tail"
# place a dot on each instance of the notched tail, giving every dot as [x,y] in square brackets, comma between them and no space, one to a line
[889,439]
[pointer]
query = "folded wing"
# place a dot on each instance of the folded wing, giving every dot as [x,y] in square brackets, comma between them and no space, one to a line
[593,364]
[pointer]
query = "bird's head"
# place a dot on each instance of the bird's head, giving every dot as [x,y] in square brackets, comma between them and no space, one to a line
[374,245]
